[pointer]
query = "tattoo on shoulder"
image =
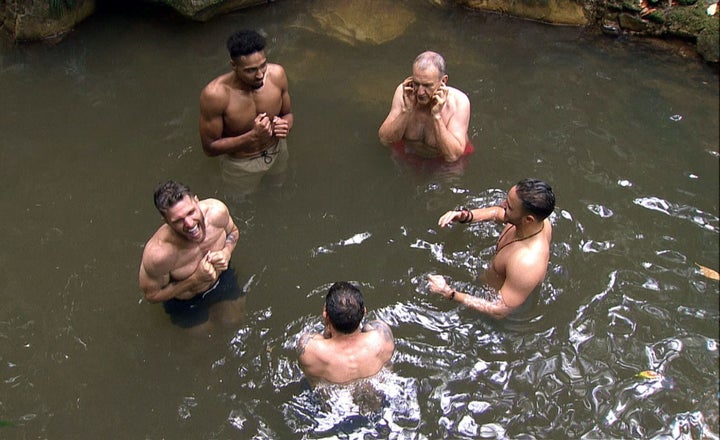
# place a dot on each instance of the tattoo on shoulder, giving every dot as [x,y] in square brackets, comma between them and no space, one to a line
[303,342]
[381,327]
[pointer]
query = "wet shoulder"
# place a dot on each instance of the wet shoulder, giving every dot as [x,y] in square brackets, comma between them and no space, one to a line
[277,74]
[212,204]
[214,210]
[458,94]
[218,86]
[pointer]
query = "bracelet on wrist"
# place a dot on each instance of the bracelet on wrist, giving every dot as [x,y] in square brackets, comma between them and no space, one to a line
[452,295]
[467,216]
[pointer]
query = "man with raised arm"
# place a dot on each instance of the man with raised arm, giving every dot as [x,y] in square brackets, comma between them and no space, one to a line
[427,117]
[245,114]
[184,261]
[345,352]
[522,252]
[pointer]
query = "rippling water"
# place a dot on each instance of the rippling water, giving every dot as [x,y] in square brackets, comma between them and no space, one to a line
[626,134]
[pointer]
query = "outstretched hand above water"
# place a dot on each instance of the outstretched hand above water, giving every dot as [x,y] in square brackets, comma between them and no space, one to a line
[437,284]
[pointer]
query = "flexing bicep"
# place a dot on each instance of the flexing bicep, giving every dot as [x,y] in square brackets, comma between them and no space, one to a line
[212,107]
[232,233]
[152,280]
[225,219]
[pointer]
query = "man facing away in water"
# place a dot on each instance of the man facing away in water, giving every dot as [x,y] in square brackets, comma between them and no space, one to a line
[427,117]
[245,114]
[522,252]
[345,352]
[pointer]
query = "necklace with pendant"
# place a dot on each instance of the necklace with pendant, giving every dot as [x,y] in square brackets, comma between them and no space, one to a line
[498,248]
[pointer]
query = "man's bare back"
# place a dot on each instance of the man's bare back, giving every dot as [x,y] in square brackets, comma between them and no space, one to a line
[342,360]
[345,352]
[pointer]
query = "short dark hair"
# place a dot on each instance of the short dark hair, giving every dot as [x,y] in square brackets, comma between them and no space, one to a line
[345,306]
[245,42]
[537,197]
[167,194]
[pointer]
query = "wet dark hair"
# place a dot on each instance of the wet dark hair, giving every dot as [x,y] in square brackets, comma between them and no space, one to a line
[345,306]
[167,194]
[537,197]
[245,42]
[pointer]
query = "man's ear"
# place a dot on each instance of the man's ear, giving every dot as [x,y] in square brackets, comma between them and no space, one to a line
[444,80]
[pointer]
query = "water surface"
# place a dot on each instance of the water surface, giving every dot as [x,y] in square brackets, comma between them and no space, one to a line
[626,135]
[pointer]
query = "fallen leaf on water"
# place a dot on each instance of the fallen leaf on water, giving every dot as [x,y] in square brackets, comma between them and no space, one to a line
[648,374]
[713,275]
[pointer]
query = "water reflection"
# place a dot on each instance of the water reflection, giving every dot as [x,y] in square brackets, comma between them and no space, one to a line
[385,406]
[637,213]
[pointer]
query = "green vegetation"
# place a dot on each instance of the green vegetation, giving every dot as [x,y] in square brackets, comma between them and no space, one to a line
[59,7]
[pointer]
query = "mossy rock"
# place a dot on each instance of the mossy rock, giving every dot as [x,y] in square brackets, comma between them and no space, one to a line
[632,6]
[708,43]
[688,21]
[43,20]
[633,23]
[656,16]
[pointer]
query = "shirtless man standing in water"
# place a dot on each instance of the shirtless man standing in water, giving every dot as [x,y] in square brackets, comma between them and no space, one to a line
[345,352]
[427,117]
[245,114]
[522,252]
[184,260]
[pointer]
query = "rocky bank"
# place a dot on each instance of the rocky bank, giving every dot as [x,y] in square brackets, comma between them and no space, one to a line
[694,21]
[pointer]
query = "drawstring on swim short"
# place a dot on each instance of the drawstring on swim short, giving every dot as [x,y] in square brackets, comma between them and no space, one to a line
[267,156]
[212,288]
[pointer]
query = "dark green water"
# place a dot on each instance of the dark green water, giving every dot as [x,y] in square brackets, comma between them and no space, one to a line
[626,135]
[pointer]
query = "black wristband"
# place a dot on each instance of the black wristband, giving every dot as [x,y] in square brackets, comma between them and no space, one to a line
[468,215]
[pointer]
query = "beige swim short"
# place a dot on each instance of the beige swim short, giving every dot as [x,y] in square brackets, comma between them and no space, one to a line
[244,175]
